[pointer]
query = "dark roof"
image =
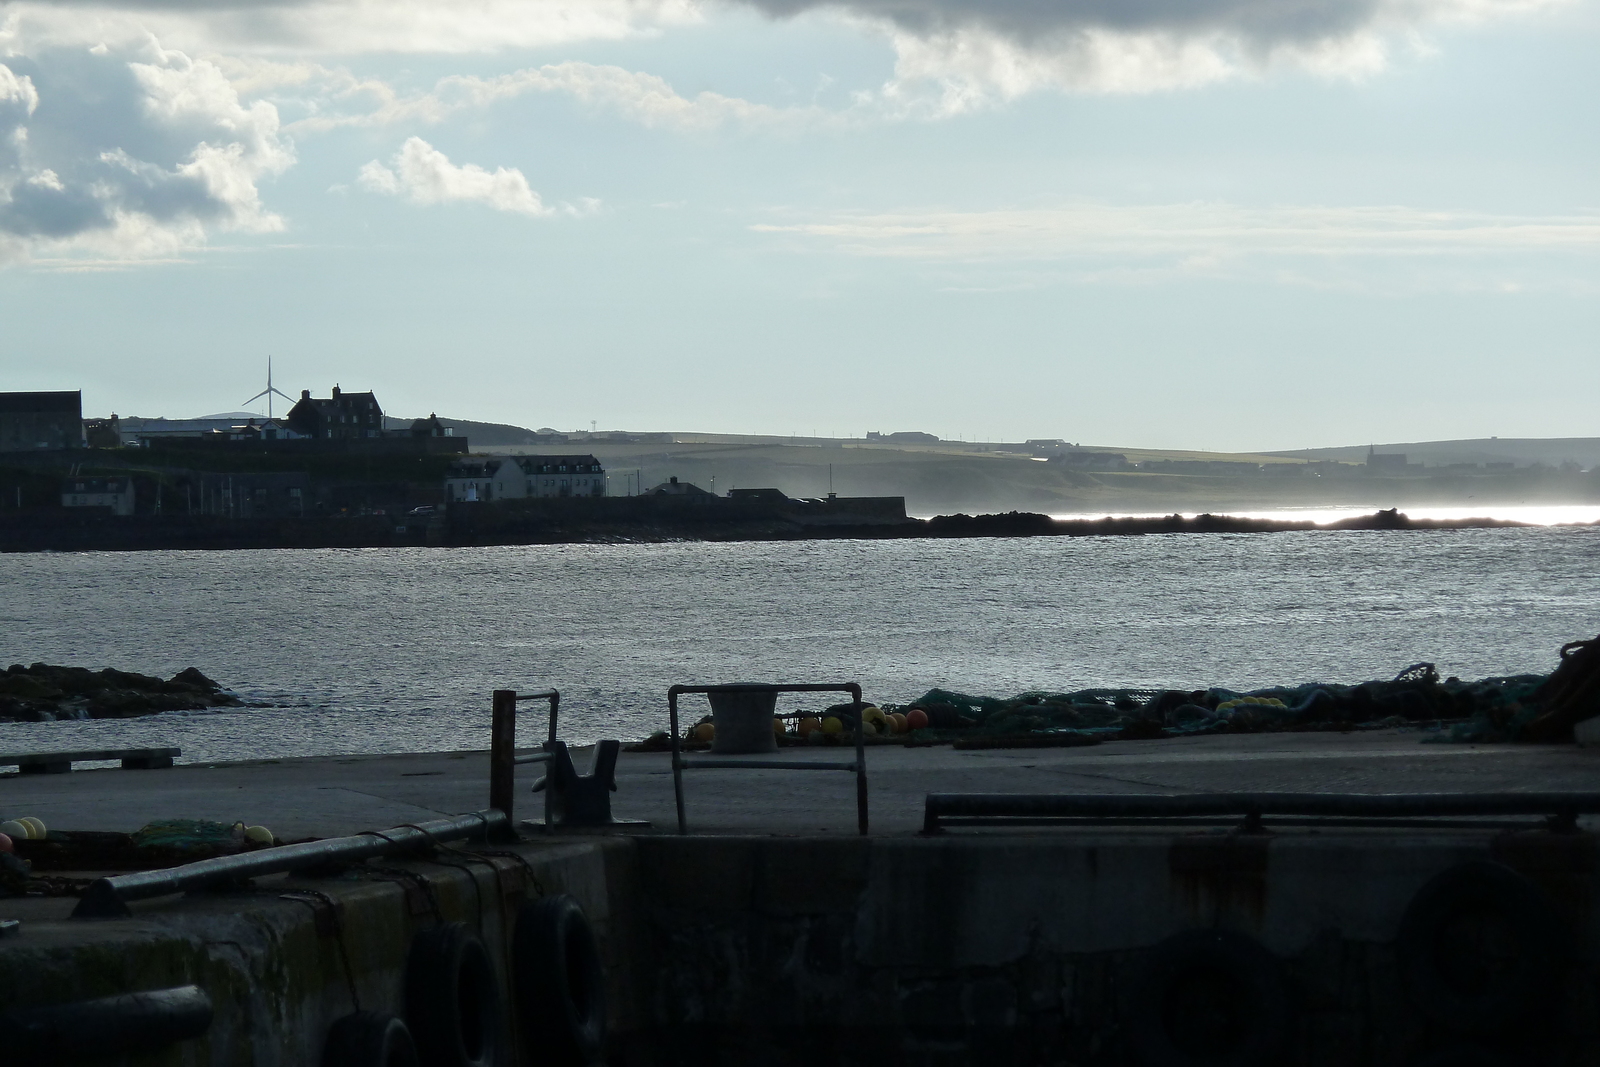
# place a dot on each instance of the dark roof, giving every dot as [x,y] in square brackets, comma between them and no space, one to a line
[558,461]
[95,485]
[66,402]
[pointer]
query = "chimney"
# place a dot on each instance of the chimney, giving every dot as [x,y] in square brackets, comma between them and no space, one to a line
[305,394]
[674,479]
[336,392]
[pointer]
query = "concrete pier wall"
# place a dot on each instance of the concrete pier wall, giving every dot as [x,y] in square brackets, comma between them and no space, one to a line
[1026,951]
[284,959]
[962,949]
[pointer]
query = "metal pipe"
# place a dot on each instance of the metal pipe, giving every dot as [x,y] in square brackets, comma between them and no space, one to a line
[679,766]
[502,750]
[93,1029]
[108,898]
[677,759]
[939,807]
[767,764]
[503,759]
[554,697]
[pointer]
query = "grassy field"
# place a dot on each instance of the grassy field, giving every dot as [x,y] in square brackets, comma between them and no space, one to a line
[953,476]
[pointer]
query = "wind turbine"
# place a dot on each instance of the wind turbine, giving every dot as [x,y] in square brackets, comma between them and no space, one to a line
[269,392]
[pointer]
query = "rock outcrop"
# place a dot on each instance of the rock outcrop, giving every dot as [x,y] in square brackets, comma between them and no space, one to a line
[43,693]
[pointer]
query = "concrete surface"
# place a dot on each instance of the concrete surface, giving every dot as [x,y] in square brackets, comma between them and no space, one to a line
[327,796]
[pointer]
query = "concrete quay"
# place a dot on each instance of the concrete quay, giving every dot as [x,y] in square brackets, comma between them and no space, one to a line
[775,935]
[326,796]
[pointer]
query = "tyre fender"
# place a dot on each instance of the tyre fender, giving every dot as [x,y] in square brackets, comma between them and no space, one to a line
[369,1039]
[1480,949]
[453,1002]
[560,982]
[1465,1057]
[1208,998]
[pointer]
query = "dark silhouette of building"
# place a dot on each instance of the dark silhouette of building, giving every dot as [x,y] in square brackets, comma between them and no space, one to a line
[339,417]
[30,421]
[429,427]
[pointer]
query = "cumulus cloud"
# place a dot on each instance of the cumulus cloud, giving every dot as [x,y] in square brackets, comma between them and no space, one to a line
[644,98]
[128,156]
[952,56]
[958,55]
[424,175]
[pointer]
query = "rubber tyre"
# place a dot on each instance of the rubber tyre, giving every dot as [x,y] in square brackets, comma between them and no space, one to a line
[560,983]
[1465,1057]
[1208,998]
[369,1039]
[453,1002]
[1480,949]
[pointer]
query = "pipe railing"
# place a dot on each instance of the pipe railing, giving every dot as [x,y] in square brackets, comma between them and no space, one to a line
[108,898]
[1024,809]
[503,758]
[858,766]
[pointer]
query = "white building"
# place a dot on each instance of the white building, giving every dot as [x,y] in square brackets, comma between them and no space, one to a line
[488,478]
[564,476]
[113,493]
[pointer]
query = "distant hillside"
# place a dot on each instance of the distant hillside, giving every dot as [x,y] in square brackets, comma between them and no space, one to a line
[1523,451]
[481,434]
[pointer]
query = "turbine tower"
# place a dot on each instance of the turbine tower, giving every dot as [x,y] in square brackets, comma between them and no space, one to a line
[269,392]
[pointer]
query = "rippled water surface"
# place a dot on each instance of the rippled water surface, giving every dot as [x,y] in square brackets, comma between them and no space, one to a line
[398,649]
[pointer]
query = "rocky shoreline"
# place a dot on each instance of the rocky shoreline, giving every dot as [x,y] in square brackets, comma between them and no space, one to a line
[45,693]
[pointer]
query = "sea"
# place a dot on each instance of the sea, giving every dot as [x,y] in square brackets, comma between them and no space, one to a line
[397,650]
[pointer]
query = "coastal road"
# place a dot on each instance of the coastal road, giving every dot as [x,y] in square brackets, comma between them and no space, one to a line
[327,796]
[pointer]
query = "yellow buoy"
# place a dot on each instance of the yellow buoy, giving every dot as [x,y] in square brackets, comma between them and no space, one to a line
[705,732]
[36,829]
[809,724]
[832,725]
[258,835]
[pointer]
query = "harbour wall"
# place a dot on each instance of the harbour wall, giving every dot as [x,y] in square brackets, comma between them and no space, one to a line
[1054,948]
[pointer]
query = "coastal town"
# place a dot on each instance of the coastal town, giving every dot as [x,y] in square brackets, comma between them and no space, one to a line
[338,470]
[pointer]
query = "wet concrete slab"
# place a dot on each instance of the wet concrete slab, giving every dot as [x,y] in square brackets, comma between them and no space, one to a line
[328,796]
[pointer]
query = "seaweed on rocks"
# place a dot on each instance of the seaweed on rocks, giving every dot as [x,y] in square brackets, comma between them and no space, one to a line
[45,692]
[1491,709]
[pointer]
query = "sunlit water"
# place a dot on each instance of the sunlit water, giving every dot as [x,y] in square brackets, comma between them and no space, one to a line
[1533,514]
[398,649]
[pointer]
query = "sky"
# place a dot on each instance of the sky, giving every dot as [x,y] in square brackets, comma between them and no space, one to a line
[1218,224]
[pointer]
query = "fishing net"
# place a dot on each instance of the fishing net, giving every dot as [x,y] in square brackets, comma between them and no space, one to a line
[1492,709]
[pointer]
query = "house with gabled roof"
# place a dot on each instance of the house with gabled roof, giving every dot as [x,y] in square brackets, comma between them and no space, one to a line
[339,417]
[486,478]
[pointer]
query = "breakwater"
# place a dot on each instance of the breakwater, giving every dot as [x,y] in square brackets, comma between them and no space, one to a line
[617,519]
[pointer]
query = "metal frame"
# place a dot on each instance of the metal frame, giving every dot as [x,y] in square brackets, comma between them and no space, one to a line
[107,898]
[503,758]
[1042,809]
[679,766]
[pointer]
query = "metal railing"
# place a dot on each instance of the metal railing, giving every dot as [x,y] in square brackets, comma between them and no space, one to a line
[108,898]
[858,766]
[1043,809]
[503,758]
